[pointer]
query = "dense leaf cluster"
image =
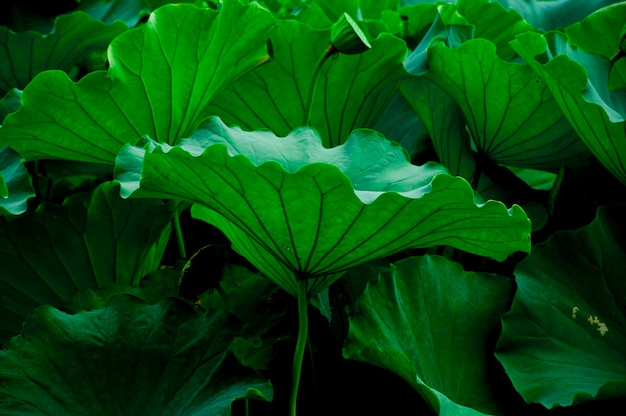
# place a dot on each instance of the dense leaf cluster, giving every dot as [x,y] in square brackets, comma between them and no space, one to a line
[440,185]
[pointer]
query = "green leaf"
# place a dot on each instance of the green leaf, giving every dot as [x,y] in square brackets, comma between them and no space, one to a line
[129,358]
[24,55]
[352,91]
[555,14]
[494,23]
[161,79]
[399,123]
[564,340]
[108,11]
[10,103]
[441,115]
[430,322]
[294,208]
[90,242]
[511,115]
[578,81]
[255,300]
[15,186]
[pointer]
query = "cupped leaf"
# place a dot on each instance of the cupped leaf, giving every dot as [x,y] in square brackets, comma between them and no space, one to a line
[15,185]
[128,358]
[578,80]
[430,322]
[564,340]
[160,81]
[352,91]
[90,242]
[298,210]
[74,36]
[510,112]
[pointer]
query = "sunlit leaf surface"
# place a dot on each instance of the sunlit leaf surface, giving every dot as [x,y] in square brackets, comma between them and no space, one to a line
[296,209]
[161,78]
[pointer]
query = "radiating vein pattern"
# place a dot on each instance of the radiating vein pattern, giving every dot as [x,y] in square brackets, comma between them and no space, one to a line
[161,79]
[54,253]
[570,76]
[347,205]
[511,114]
[26,54]
[352,91]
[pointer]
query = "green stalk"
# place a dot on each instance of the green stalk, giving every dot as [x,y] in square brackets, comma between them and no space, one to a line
[316,72]
[179,235]
[303,331]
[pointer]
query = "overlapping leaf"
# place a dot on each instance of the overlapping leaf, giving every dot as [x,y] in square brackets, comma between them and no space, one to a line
[161,79]
[15,186]
[564,340]
[49,256]
[295,208]
[492,22]
[128,11]
[578,81]
[511,114]
[555,14]
[10,103]
[128,358]
[75,35]
[352,90]
[430,322]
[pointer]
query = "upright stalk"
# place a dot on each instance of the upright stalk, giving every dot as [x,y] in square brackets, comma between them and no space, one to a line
[179,234]
[303,331]
[316,72]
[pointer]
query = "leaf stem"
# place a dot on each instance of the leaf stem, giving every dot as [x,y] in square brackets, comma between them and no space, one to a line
[179,234]
[316,72]
[303,331]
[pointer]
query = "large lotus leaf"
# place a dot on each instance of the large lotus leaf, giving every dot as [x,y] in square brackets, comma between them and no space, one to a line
[295,208]
[352,90]
[494,23]
[555,14]
[89,242]
[578,81]
[160,81]
[129,358]
[439,112]
[564,340]
[432,323]
[510,112]
[15,186]
[26,54]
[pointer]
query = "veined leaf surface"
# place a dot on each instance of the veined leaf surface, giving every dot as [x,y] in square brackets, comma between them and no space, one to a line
[564,340]
[430,322]
[352,90]
[161,78]
[298,210]
[578,80]
[90,242]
